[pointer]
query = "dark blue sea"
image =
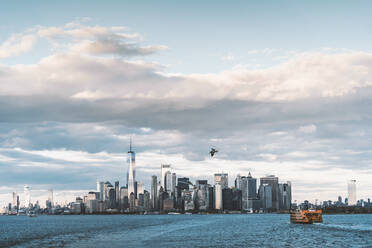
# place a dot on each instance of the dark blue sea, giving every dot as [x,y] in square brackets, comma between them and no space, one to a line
[249,230]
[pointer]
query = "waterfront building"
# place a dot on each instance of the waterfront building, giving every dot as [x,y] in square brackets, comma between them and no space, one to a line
[27,195]
[163,195]
[211,200]
[146,200]
[100,186]
[164,169]
[188,200]
[265,192]
[182,184]
[132,202]
[236,199]
[168,182]
[285,196]
[124,200]
[112,198]
[141,201]
[218,197]
[248,187]
[201,195]
[106,190]
[273,182]
[154,192]
[174,184]
[227,199]
[221,179]
[92,202]
[167,204]
[117,194]
[15,201]
[351,193]
[50,197]
[76,207]
[238,181]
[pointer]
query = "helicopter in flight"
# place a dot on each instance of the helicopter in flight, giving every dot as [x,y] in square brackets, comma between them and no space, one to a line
[213,151]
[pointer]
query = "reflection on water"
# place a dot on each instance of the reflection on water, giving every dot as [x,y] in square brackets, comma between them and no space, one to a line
[264,230]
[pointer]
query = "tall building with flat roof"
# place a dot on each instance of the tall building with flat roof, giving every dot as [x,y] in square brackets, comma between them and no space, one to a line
[265,193]
[154,192]
[351,193]
[164,169]
[285,196]
[27,195]
[124,199]
[218,197]
[238,181]
[100,190]
[50,197]
[117,194]
[221,179]
[174,183]
[168,182]
[273,181]
[249,191]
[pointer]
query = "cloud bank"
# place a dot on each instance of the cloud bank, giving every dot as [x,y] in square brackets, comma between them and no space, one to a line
[70,115]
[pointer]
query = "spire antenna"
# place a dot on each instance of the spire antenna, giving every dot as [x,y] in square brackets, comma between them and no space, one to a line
[130,144]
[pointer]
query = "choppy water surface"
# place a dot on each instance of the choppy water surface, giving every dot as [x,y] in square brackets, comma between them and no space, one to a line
[265,230]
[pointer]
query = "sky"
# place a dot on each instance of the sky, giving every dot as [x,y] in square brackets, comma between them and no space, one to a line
[278,87]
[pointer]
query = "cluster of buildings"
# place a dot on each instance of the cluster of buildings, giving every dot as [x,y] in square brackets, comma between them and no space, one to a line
[172,194]
[349,201]
[169,193]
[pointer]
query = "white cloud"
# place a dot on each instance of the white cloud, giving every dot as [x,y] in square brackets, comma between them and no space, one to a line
[17,44]
[308,129]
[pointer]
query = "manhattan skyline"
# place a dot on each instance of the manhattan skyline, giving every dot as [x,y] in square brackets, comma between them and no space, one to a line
[283,93]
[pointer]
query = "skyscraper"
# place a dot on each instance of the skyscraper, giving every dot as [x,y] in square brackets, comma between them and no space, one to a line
[27,195]
[117,194]
[266,194]
[15,201]
[168,182]
[285,196]
[221,179]
[249,191]
[351,192]
[124,200]
[50,197]
[201,195]
[238,181]
[131,171]
[218,196]
[154,192]
[182,185]
[164,169]
[174,183]
[273,182]
[100,190]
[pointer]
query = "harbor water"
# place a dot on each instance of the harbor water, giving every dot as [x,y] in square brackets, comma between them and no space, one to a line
[230,230]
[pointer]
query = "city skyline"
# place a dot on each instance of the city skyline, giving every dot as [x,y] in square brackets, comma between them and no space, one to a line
[276,93]
[168,177]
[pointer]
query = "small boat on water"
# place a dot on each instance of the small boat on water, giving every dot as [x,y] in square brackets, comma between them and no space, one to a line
[31,214]
[306,216]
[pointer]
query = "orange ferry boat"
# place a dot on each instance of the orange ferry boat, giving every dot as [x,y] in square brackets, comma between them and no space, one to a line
[306,216]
